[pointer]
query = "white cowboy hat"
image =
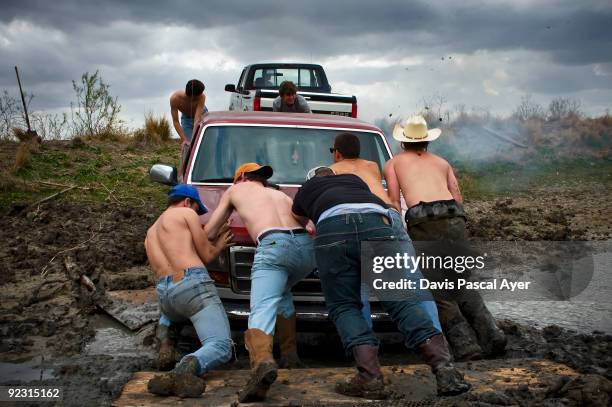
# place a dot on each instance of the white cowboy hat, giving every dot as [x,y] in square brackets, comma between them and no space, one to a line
[414,131]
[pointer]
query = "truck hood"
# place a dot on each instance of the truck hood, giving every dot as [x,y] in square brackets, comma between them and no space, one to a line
[211,195]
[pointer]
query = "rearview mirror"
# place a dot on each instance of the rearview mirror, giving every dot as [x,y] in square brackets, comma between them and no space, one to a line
[163,174]
[230,87]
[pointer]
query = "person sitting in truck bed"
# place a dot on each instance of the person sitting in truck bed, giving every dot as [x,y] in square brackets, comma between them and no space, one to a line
[289,101]
[283,257]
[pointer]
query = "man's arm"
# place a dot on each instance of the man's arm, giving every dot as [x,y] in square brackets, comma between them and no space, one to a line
[453,185]
[220,215]
[206,250]
[393,187]
[176,123]
[198,112]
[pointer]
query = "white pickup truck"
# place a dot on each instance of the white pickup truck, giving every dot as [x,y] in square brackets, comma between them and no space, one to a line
[258,87]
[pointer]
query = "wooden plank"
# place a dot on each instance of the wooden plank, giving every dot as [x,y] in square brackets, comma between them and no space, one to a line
[133,308]
[414,382]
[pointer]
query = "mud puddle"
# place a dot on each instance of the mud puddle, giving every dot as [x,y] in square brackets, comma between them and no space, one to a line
[28,371]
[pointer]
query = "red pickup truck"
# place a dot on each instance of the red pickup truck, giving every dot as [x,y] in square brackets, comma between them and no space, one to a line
[290,143]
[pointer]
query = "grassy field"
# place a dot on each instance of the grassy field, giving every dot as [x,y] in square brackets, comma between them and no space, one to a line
[118,171]
[100,171]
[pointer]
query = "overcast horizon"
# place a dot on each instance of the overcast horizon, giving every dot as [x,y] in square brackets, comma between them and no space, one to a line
[391,56]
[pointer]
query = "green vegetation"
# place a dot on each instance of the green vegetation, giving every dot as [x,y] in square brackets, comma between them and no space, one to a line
[100,171]
[482,181]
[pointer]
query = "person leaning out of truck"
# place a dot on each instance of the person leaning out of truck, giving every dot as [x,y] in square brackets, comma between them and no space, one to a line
[289,101]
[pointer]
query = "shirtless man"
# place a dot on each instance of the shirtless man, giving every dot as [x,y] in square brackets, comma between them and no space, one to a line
[435,212]
[178,248]
[191,102]
[283,257]
[346,151]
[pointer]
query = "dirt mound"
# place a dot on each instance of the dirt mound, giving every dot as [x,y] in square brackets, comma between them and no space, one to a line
[545,215]
[49,253]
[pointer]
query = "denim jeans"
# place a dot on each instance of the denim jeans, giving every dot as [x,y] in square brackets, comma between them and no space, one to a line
[397,224]
[281,261]
[195,298]
[338,256]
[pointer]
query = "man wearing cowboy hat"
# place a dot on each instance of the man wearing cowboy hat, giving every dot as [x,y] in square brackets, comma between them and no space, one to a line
[283,257]
[431,191]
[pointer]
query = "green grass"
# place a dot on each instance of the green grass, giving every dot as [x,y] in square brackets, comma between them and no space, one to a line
[120,167]
[485,181]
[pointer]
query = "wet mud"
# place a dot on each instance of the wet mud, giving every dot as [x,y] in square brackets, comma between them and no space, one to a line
[58,261]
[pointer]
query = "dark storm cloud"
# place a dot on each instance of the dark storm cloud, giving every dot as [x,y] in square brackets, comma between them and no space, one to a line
[63,39]
[577,34]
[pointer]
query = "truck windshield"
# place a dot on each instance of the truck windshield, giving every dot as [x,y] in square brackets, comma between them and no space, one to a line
[290,151]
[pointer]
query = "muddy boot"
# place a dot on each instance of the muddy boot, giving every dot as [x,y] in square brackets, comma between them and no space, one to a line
[492,340]
[368,381]
[166,358]
[263,366]
[286,334]
[462,340]
[182,381]
[436,354]
[187,381]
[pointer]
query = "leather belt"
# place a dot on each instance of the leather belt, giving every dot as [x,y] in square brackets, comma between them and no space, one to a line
[283,231]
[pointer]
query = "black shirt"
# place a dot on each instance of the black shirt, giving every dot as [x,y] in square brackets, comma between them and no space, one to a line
[321,193]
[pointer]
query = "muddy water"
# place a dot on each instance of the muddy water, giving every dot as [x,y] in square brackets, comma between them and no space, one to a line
[589,311]
[27,371]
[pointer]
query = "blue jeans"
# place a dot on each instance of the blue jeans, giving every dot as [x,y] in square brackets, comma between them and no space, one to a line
[187,125]
[338,256]
[397,224]
[281,261]
[195,298]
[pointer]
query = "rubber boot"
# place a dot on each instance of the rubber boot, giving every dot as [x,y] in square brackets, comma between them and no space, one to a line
[286,334]
[263,367]
[462,340]
[183,381]
[492,340]
[436,354]
[166,358]
[368,381]
[458,332]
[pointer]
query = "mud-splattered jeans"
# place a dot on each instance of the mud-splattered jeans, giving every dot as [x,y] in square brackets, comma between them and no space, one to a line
[195,298]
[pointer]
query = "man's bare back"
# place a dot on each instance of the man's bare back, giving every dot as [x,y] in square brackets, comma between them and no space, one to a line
[176,242]
[421,176]
[259,207]
[185,104]
[368,171]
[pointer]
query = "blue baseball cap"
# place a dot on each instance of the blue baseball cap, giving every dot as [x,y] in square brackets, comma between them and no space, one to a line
[188,191]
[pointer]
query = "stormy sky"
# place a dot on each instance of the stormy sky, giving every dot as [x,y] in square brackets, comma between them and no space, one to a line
[392,55]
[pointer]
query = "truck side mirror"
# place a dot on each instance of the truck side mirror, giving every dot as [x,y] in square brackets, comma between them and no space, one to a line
[163,174]
[230,87]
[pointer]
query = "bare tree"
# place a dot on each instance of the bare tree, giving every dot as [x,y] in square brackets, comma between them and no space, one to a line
[561,108]
[50,126]
[95,112]
[528,109]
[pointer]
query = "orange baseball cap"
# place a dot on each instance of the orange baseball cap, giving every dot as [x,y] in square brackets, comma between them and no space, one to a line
[264,170]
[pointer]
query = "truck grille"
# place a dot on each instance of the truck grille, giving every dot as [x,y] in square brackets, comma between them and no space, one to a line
[241,260]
